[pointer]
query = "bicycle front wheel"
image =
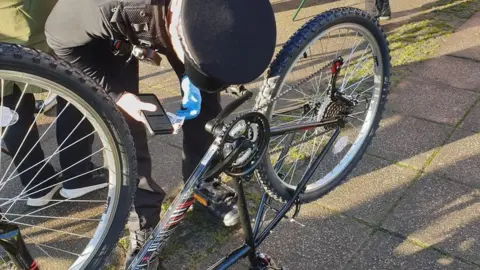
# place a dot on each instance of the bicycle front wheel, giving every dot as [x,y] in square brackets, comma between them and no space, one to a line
[298,90]
[76,229]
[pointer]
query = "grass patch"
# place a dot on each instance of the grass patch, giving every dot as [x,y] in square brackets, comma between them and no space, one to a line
[123,243]
[417,40]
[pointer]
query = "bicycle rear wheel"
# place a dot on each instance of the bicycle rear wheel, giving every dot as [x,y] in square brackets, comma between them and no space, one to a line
[76,232]
[298,91]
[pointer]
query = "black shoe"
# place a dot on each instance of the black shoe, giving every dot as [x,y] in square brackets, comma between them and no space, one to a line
[137,240]
[383,10]
[219,201]
[95,181]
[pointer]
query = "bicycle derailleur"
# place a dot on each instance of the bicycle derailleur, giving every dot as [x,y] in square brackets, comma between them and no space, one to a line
[336,104]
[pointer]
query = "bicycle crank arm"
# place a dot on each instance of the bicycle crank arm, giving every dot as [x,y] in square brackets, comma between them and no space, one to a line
[214,126]
[174,214]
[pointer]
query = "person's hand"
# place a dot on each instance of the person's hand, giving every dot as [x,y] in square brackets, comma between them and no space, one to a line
[191,101]
[133,106]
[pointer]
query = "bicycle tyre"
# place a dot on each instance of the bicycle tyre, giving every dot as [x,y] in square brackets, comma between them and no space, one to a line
[277,72]
[28,62]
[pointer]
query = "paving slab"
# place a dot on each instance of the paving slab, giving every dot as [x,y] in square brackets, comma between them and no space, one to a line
[384,251]
[451,71]
[441,213]
[326,242]
[459,159]
[465,42]
[427,99]
[472,121]
[166,152]
[406,139]
[371,189]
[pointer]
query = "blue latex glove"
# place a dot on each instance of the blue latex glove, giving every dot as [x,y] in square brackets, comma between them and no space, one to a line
[191,101]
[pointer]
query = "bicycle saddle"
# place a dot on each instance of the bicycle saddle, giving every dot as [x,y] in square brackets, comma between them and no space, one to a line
[226,42]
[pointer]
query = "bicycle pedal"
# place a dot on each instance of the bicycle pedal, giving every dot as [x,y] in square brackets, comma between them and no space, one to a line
[214,192]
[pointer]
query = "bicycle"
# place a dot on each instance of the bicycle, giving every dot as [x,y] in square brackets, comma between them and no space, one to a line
[265,143]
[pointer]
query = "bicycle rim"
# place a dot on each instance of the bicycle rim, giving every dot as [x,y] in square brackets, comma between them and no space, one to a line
[286,176]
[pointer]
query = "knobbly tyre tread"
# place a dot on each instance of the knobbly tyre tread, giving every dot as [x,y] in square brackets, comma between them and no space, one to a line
[35,62]
[285,58]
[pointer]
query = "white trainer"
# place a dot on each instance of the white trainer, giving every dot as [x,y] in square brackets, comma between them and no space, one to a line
[45,199]
[79,192]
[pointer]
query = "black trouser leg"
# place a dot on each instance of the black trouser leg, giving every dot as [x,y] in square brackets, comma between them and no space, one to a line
[149,196]
[196,139]
[75,146]
[14,137]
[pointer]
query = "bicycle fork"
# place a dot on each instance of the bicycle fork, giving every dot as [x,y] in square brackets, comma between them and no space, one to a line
[12,242]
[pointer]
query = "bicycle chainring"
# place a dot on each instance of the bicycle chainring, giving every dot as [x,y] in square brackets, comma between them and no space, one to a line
[252,131]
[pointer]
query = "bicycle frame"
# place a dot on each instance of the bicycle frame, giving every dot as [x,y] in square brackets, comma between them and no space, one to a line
[253,236]
[12,241]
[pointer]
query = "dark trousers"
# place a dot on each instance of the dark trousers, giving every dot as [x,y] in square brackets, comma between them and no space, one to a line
[23,144]
[378,7]
[196,140]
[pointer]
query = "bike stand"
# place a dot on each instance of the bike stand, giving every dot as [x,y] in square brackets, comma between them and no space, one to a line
[255,236]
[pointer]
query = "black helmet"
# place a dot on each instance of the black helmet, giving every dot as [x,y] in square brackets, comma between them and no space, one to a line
[226,42]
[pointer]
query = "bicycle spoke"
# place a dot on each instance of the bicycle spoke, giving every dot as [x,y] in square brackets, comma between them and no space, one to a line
[355,118]
[38,246]
[33,166]
[53,200]
[25,138]
[360,63]
[59,249]
[313,154]
[296,160]
[361,93]
[343,44]
[295,89]
[77,176]
[48,229]
[353,126]
[349,60]
[2,85]
[38,210]
[356,84]
[46,162]
[54,217]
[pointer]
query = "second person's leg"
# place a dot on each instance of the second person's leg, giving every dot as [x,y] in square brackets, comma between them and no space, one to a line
[196,141]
